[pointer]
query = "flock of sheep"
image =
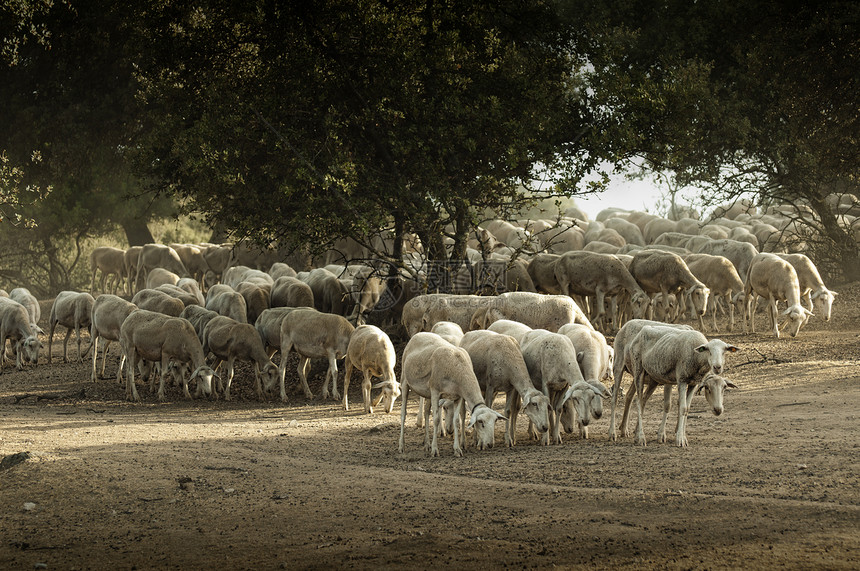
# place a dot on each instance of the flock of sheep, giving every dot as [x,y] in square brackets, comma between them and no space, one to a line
[541,343]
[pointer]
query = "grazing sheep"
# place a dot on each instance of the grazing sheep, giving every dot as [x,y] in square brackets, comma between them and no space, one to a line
[552,365]
[665,354]
[227,303]
[111,262]
[230,340]
[330,294]
[449,331]
[194,261]
[508,327]
[179,293]
[314,335]
[599,275]
[71,310]
[109,313]
[256,299]
[423,311]
[280,269]
[160,276]
[536,310]
[371,352]
[193,288]
[499,273]
[594,356]
[268,326]
[721,277]
[776,279]
[160,338]
[436,369]
[541,269]
[158,256]
[499,367]
[23,296]
[365,290]
[198,317]
[218,257]
[155,300]
[291,292]
[740,254]
[812,288]
[667,273]
[15,326]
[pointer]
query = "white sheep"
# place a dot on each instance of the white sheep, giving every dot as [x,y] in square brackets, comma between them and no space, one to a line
[314,335]
[229,341]
[158,256]
[436,369]
[72,310]
[740,254]
[130,258]
[179,293]
[499,367]
[666,355]
[290,291]
[280,269]
[193,288]
[109,312]
[15,326]
[722,279]
[455,308]
[111,262]
[23,296]
[370,351]
[161,338]
[256,299]
[330,294]
[155,300]
[666,272]
[775,279]
[160,276]
[536,310]
[227,303]
[541,270]
[594,356]
[198,317]
[449,331]
[268,326]
[812,288]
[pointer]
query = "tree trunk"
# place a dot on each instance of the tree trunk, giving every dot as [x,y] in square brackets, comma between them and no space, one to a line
[137,232]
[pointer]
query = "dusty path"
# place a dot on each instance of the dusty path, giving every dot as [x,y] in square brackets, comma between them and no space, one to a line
[773,482]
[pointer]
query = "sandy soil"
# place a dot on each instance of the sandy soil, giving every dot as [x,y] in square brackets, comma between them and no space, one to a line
[773,482]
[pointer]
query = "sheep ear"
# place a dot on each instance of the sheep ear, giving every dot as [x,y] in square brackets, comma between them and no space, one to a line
[701,348]
[580,356]
[699,388]
[731,384]
[732,349]
[526,400]
[500,416]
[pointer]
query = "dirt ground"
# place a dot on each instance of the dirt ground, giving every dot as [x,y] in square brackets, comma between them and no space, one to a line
[773,482]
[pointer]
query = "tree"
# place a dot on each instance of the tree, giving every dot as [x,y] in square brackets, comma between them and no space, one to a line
[758,98]
[311,121]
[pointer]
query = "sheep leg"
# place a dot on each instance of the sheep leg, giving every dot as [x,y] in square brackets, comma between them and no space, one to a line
[66,343]
[426,411]
[95,343]
[104,357]
[282,372]
[365,392]
[130,388]
[347,377]
[419,417]
[405,390]
[459,431]
[773,317]
[639,380]
[512,405]
[332,371]
[304,365]
[667,401]
[164,368]
[628,400]
[683,406]
[78,338]
[436,411]
[229,382]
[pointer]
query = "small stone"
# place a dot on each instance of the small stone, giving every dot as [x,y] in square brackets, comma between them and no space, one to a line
[40,566]
[29,506]
[293,423]
[229,490]
[802,466]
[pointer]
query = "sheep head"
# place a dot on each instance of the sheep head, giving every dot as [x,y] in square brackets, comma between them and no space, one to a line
[699,298]
[536,407]
[484,421]
[204,375]
[796,316]
[822,300]
[716,350]
[29,348]
[640,302]
[390,392]
[714,387]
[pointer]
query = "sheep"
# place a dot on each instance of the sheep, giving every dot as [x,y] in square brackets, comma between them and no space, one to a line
[179,293]
[499,367]
[666,355]
[541,269]
[740,254]
[499,273]
[230,340]
[366,288]
[812,288]
[594,356]
[623,338]
[218,257]
[776,279]
[268,326]
[130,258]
[552,365]
[227,303]
[330,294]
[155,300]
[161,338]
[721,277]
[158,256]
[192,287]
[256,299]
[23,296]
[436,369]
[514,329]
[109,313]
[111,262]
[314,334]
[15,326]
[291,292]
[629,231]
[599,275]
[194,261]
[160,276]
[536,310]
[280,269]
[667,273]
[71,310]
[198,316]
[370,351]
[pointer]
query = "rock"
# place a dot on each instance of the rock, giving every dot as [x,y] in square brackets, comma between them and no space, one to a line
[29,506]
[13,460]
